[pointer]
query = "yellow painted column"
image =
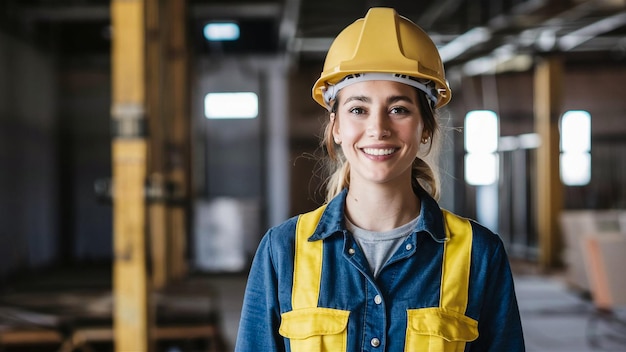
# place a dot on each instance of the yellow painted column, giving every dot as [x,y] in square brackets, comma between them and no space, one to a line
[549,189]
[129,152]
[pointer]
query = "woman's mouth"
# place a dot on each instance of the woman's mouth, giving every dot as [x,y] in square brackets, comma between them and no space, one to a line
[379,151]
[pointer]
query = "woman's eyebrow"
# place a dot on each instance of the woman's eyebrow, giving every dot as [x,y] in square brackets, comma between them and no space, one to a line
[397,98]
[390,100]
[359,98]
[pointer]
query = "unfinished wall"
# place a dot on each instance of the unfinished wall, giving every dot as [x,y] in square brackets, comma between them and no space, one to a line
[85,156]
[28,157]
[597,90]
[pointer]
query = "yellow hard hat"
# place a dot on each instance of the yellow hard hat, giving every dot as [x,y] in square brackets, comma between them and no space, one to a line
[387,46]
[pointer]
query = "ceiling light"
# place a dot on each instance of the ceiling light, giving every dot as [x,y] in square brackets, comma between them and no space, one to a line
[223,31]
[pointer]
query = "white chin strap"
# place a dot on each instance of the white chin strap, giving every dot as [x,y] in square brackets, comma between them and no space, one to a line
[330,91]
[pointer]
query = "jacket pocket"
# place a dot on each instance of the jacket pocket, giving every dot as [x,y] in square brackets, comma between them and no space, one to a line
[315,329]
[438,330]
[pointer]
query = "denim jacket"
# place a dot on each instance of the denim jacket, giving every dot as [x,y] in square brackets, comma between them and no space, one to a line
[378,308]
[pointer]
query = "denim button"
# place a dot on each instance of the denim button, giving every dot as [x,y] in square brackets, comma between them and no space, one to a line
[378,300]
[351,251]
[409,247]
[375,342]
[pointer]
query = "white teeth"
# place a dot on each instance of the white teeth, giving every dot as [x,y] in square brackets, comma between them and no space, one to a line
[377,152]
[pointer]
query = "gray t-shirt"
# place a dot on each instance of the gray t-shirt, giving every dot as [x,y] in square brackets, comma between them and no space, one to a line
[378,247]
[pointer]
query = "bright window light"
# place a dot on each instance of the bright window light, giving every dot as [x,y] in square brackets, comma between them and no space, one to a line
[576,168]
[226,31]
[243,105]
[576,131]
[481,131]
[575,147]
[481,169]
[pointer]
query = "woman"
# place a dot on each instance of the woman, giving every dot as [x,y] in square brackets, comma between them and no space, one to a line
[380,267]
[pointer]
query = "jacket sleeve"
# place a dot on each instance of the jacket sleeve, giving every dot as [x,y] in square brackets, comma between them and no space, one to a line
[260,315]
[499,326]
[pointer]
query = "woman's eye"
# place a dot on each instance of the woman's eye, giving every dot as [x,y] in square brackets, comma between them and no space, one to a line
[357,111]
[399,110]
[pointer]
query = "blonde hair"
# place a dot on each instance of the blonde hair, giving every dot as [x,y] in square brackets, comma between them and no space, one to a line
[424,171]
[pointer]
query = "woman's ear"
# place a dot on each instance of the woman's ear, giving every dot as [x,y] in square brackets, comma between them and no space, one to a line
[335,128]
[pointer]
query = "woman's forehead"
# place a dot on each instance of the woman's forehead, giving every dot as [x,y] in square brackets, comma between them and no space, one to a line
[369,91]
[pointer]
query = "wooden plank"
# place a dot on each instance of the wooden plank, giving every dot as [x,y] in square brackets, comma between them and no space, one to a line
[129,152]
[157,208]
[104,334]
[548,192]
[85,336]
[29,337]
[186,332]
[180,134]
[158,226]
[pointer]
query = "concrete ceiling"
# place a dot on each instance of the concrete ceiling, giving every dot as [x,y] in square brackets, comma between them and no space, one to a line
[471,34]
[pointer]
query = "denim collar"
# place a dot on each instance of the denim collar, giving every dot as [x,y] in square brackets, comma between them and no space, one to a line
[430,219]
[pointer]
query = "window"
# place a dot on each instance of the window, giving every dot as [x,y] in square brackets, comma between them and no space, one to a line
[575,160]
[241,105]
[481,143]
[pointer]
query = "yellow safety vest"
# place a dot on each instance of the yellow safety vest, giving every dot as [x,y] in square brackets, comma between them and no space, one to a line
[441,329]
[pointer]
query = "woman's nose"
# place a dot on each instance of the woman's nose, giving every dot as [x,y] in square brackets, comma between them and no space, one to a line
[378,127]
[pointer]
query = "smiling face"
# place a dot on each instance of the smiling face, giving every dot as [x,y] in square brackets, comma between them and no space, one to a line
[379,127]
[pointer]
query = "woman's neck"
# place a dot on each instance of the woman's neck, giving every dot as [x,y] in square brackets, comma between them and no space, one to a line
[381,208]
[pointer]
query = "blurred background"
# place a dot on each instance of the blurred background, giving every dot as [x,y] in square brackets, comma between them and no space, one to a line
[147,145]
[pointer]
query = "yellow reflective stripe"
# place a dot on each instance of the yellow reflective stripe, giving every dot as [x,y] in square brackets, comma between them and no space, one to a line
[456,263]
[307,269]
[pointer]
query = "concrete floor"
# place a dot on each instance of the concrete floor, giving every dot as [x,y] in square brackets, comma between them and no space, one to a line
[554,318]
[557,319]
